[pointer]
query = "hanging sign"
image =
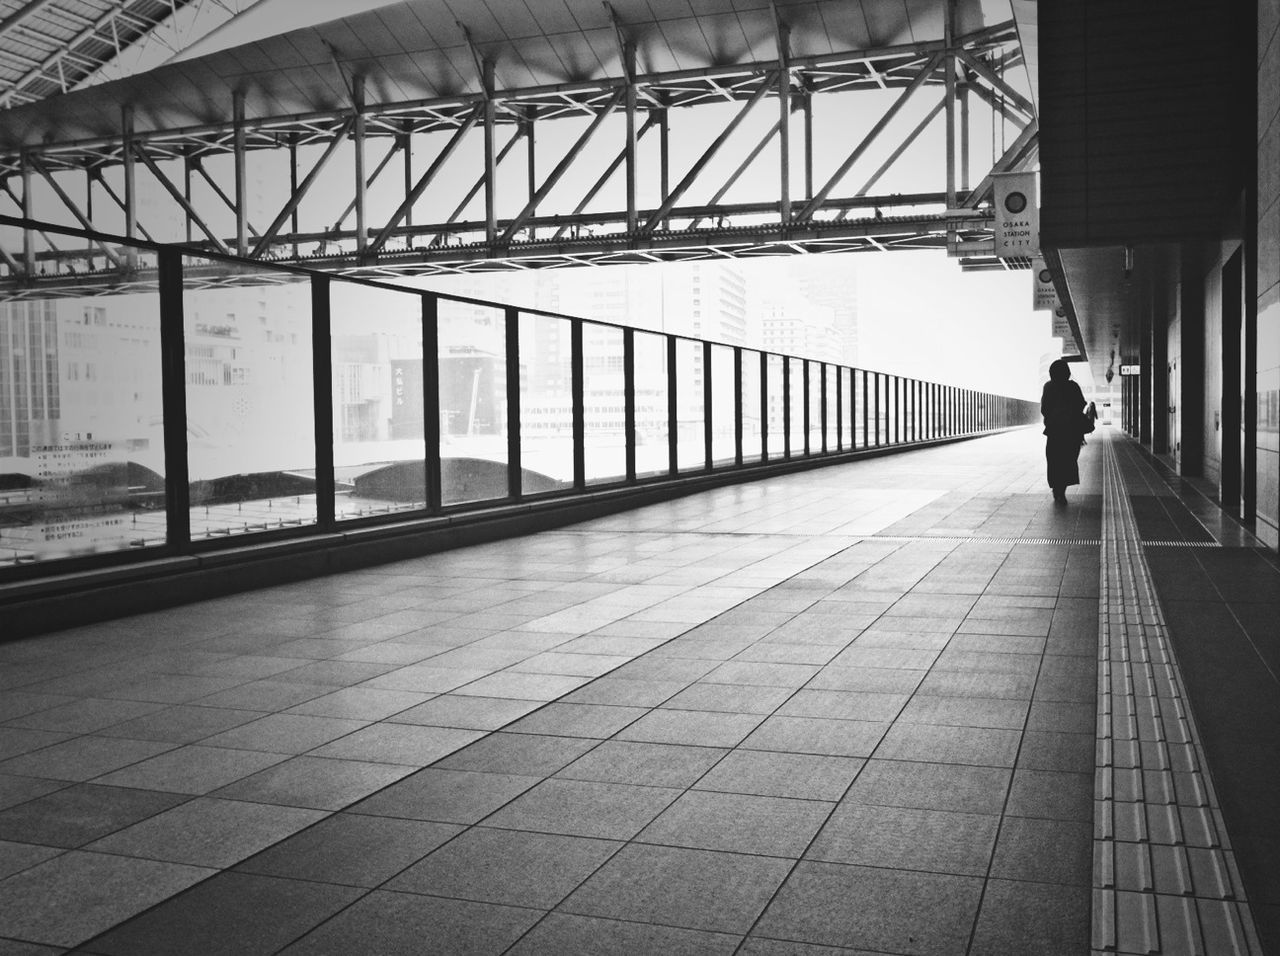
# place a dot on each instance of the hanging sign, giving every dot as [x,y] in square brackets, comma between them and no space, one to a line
[1017,213]
[1044,297]
[1130,369]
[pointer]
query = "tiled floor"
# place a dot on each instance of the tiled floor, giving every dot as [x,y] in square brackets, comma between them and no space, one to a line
[850,710]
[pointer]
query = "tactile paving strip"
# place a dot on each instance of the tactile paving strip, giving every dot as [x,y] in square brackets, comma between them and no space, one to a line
[1164,876]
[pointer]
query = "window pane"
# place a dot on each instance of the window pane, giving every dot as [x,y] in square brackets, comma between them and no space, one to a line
[378,446]
[472,364]
[848,407]
[724,415]
[604,401]
[891,421]
[546,403]
[795,427]
[862,402]
[81,427]
[777,408]
[652,455]
[250,406]
[750,406]
[691,447]
[815,407]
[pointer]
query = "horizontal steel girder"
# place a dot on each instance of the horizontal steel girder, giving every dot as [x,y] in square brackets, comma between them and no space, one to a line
[549,231]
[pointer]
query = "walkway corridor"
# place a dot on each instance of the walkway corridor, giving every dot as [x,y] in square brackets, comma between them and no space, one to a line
[855,709]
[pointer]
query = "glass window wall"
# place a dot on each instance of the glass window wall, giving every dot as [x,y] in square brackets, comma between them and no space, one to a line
[250,404]
[652,454]
[546,404]
[81,427]
[799,400]
[778,439]
[691,441]
[379,454]
[750,406]
[724,413]
[604,403]
[471,360]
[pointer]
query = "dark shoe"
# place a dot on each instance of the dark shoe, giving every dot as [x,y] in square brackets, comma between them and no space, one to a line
[1060,494]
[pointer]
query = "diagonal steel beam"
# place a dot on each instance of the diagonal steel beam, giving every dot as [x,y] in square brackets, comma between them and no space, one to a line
[562,167]
[179,198]
[1026,139]
[591,193]
[75,210]
[674,196]
[295,200]
[218,191]
[812,205]
[893,157]
[997,81]
[420,186]
[519,134]
[14,266]
[742,168]
[115,197]
[396,145]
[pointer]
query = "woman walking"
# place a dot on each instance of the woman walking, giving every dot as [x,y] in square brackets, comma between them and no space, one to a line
[1062,405]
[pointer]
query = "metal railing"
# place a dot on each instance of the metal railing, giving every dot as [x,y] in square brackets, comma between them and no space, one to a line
[207,402]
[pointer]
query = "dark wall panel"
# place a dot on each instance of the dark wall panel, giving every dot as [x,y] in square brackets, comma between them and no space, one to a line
[1145,111]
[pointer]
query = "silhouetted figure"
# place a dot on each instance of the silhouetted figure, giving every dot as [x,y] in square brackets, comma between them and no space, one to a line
[1062,405]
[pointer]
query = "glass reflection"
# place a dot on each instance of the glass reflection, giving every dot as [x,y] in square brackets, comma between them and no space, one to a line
[795,427]
[691,450]
[378,447]
[750,406]
[472,368]
[724,412]
[653,456]
[250,402]
[778,438]
[546,404]
[81,427]
[604,403]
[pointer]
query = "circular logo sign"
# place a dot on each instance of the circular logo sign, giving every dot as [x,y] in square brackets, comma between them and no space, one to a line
[1015,202]
[1046,275]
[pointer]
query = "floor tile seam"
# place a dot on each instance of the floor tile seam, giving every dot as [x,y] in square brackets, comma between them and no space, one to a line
[1135,589]
[1004,805]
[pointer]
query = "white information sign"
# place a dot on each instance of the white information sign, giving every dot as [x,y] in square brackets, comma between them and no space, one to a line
[1044,296]
[1017,212]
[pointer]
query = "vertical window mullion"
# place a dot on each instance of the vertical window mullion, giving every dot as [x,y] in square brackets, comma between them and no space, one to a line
[707,401]
[673,409]
[577,366]
[629,399]
[431,398]
[173,391]
[322,388]
[764,406]
[515,486]
[737,406]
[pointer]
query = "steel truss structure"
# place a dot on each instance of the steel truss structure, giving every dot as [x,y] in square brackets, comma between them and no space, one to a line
[204,173]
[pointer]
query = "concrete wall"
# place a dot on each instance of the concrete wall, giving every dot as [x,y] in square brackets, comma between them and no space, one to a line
[1268,272]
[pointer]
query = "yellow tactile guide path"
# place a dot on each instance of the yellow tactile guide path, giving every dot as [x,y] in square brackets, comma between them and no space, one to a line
[1165,878]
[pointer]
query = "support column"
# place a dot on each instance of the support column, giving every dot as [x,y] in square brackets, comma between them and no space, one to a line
[490,159]
[358,138]
[784,118]
[629,58]
[664,157]
[531,114]
[130,188]
[173,390]
[241,187]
